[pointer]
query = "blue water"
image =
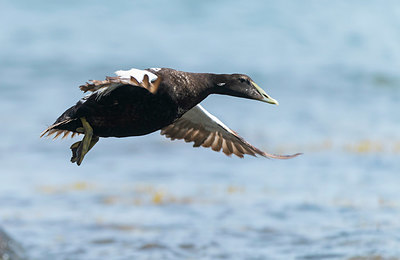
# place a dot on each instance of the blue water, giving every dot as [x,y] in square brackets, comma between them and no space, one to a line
[332,65]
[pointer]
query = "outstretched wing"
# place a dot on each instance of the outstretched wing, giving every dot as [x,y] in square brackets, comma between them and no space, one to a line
[132,77]
[199,126]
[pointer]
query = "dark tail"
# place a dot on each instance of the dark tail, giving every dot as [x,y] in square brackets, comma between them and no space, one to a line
[67,123]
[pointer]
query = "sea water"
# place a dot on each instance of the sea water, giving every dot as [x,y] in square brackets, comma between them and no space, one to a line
[332,65]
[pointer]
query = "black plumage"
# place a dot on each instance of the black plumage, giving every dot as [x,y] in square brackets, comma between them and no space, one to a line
[139,102]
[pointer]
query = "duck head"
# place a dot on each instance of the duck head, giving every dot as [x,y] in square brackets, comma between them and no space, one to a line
[240,85]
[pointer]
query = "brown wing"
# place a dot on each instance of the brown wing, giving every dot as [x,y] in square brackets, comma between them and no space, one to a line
[199,126]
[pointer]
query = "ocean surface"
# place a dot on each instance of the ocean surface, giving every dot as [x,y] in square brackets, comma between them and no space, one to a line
[334,66]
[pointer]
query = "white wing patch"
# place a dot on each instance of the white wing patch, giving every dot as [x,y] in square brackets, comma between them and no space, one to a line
[136,73]
[132,77]
[203,117]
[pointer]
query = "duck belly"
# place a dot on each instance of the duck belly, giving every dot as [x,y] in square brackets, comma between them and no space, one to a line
[129,120]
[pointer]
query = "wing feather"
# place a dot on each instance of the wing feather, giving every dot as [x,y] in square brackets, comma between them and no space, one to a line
[217,144]
[199,126]
[225,148]
[133,77]
[209,141]
[199,139]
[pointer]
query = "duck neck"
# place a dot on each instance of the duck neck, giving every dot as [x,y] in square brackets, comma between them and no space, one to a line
[196,88]
[217,83]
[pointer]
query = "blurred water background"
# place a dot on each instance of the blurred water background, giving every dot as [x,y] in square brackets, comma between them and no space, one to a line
[332,65]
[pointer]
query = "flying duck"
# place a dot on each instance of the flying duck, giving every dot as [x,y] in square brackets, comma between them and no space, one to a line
[138,102]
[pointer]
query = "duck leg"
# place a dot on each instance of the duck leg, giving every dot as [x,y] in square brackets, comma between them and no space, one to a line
[76,151]
[81,148]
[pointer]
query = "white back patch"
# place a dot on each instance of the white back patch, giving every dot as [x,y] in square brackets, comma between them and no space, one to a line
[137,74]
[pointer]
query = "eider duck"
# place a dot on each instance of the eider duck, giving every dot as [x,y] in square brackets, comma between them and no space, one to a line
[138,102]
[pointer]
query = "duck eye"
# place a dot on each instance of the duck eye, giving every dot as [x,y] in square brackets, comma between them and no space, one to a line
[243,80]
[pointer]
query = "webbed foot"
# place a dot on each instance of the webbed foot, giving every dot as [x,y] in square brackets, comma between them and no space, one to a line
[81,148]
